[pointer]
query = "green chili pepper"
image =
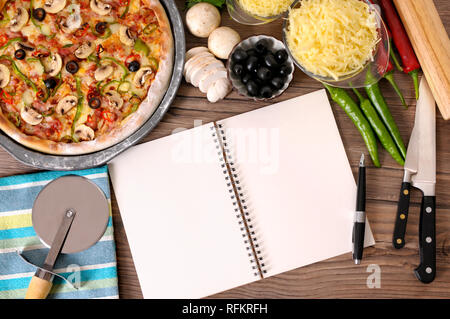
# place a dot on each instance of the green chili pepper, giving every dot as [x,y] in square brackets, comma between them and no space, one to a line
[16,117]
[379,128]
[60,82]
[19,73]
[124,68]
[104,86]
[79,106]
[68,45]
[11,41]
[351,108]
[150,28]
[94,59]
[104,36]
[127,8]
[141,46]
[390,77]
[377,99]
[122,89]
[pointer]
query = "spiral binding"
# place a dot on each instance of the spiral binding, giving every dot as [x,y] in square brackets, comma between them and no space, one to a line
[239,203]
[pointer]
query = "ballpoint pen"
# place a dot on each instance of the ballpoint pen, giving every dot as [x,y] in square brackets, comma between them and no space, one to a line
[359,222]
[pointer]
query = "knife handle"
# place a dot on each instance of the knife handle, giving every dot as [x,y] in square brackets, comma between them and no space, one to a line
[398,239]
[38,288]
[426,271]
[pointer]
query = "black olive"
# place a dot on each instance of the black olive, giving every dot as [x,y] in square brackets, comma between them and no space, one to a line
[72,67]
[20,54]
[239,56]
[246,78]
[261,46]
[252,64]
[238,69]
[50,83]
[277,82]
[264,74]
[39,14]
[285,70]
[252,88]
[270,61]
[281,56]
[266,92]
[133,66]
[101,27]
[251,52]
[94,102]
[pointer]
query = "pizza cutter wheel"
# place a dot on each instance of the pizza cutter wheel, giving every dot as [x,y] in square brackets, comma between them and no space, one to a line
[69,215]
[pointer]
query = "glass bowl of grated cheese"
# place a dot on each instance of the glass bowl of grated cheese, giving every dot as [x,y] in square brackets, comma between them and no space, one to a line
[255,12]
[341,43]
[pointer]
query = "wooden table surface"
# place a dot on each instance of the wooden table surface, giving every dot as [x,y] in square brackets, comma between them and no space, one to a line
[337,277]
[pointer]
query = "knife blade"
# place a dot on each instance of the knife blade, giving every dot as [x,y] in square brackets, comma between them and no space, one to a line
[425,180]
[411,164]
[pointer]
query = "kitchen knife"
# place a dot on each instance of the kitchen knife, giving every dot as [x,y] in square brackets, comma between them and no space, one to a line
[411,162]
[425,180]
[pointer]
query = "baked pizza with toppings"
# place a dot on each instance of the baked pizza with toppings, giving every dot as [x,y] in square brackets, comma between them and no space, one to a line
[78,76]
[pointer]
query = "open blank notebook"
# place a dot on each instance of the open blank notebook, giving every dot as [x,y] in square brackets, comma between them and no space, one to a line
[238,200]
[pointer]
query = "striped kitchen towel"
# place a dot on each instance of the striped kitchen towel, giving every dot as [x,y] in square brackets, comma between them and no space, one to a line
[94,269]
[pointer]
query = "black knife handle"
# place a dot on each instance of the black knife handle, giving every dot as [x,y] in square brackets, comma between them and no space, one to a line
[426,271]
[398,239]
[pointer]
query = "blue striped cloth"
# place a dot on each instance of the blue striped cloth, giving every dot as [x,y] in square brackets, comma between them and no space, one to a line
[95,268]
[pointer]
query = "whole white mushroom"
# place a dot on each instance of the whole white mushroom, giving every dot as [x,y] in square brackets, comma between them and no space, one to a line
[222,41]
[202,19]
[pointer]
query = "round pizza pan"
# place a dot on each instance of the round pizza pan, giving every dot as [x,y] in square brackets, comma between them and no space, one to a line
[57,162]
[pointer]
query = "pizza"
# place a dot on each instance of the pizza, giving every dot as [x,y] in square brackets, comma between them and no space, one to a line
[78,76]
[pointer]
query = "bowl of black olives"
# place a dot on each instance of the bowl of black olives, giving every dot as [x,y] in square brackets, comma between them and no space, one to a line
[260,67]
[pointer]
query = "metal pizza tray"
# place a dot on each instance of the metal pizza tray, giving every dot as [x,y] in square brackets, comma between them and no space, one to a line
[58,162]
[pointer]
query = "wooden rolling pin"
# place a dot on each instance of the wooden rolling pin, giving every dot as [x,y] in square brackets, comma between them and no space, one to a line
[432,46]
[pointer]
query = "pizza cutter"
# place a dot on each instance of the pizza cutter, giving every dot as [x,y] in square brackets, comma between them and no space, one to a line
[69,215]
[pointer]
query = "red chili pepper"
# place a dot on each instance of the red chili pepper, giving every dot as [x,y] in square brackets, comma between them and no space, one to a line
[3,39]
[131,56]
[6,97]
[81,32]
[108,116]
[40,94]
[388,74]
[410,63]
[391,51]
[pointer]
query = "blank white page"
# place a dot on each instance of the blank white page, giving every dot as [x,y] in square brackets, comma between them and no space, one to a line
[297,179]
[179,219]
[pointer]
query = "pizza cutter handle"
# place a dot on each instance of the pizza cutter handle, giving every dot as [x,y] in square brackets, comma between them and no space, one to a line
[38,288]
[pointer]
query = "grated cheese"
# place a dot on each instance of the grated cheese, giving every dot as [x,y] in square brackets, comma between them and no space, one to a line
[265,8]
[332,38]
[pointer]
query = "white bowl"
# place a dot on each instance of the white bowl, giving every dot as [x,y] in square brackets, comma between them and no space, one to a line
[249,43]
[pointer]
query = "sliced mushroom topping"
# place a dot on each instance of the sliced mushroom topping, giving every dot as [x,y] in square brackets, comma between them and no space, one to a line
[30,115]
[26,47]
[19,20]
[114,99]
[5,75]
[141,76]
[54,6]
[100,7]
[52,64]
[103,72]
[84,133]
[66,104]
[71,23]
[125,36]
[84,50]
